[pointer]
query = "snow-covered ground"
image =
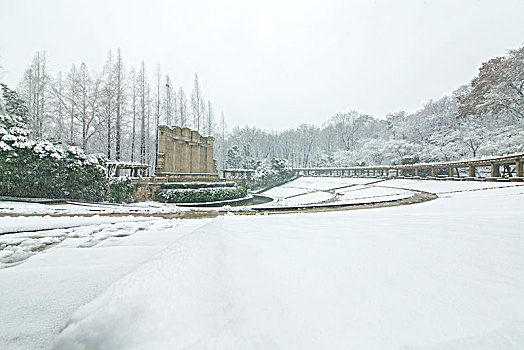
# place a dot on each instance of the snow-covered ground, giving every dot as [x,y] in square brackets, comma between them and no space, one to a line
[72,208]
[306,191]
[307,184]
[10,224]
[444,274]
[311,197]
[39,295]
[25,240]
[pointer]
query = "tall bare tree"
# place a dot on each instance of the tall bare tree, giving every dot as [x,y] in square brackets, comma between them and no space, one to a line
[181,113]
[143,97]
[210,119]
[169,102]
[134,105]
[120,77]
[109,97]
[197,105]
[33,89]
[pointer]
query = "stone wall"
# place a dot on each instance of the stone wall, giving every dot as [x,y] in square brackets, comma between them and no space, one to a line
[184,151]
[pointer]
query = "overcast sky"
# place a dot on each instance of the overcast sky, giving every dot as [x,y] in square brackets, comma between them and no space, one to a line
[275,64]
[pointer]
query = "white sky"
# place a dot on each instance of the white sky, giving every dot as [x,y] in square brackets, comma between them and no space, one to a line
[275,64]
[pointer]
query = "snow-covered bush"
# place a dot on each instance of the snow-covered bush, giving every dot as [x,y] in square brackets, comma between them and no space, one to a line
[30,168]
[121,190]
[195,185]
[271,171]
[199,195]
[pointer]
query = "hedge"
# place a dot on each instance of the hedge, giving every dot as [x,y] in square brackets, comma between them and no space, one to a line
[195,185]
[199,195]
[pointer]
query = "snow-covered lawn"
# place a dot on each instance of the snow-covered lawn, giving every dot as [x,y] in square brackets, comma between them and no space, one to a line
[9,224]
[39,295]
[372,193]
[441,186]
[307,184]
[306,198]
[24,242]
[445,274]
[316,190]
[72,208]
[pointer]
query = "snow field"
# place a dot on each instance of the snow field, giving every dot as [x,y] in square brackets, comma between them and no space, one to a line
[305,199]
[10,224]
[316,190]
[442,186]
[8,207]
[17,247]
[38,296]
[444,274]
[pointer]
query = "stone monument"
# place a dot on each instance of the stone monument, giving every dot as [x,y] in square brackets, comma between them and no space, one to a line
[185,155]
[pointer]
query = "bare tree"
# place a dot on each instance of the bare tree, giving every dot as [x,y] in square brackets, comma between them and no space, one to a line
[143,96]
[58,107]
[33,89]
[181,113]
[120,77]
[134,94]
[109,96]
[169,102]
[210,119]
[197,105]
[158,104]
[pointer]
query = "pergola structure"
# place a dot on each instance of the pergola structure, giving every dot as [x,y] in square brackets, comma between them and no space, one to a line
[136,169]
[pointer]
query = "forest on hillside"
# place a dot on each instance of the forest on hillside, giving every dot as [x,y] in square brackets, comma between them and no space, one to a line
[117,111]
[483,118]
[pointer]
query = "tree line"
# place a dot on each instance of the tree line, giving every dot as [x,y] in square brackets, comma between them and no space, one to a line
[116,111]
[483,118]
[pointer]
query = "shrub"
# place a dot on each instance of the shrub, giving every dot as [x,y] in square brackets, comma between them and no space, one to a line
[196,185]
[270,172]
[199,195]
[121,190]
[30,168]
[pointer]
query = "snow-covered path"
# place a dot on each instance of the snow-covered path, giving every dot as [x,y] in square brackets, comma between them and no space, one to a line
[445,274]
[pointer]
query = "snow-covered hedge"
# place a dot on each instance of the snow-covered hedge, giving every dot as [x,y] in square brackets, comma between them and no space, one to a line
[271,171]
[30,168]
[196,185]
[200,195]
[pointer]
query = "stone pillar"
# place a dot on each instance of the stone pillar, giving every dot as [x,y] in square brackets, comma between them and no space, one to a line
[450,172]
[519,168]
[399,172]
[210,166]
[432,171]
[195,158]
[203,158]
[495,170]
[186,158]
[416,171]
[471,171]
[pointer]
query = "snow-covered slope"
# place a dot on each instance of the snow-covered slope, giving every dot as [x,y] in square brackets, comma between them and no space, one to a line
[445,274]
